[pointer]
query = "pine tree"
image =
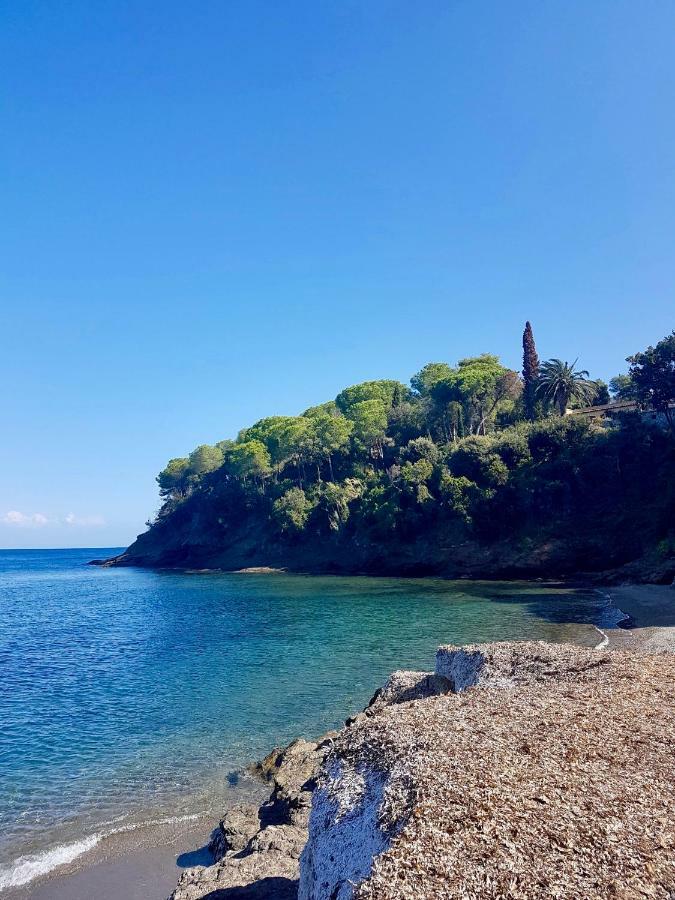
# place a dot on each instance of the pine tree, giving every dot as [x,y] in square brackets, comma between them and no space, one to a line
[530,372]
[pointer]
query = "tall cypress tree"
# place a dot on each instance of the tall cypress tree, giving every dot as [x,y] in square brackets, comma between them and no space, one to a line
[530,371]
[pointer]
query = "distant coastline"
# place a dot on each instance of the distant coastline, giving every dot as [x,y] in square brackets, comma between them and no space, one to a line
[497,563]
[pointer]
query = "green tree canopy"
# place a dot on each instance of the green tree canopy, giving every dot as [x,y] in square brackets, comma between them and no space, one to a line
[601,396]
[415,476]
[384,391]
[621,387]
[250,459]
[424,381]
[224,446]
[421,448]
[335,500]
[173,479]
[370,425]
[477,459]
[281,435]
[598,395]
[292,510]
[329,407]
[481,386]
[325,436]
[459,494]
[530,372]
[653,374]
[204,459]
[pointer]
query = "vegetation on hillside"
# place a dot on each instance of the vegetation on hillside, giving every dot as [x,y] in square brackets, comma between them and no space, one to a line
[468,453]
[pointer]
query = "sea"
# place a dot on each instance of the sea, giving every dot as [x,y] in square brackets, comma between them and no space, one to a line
[130,697]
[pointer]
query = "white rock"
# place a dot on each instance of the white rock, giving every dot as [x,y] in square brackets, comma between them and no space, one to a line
[340,856]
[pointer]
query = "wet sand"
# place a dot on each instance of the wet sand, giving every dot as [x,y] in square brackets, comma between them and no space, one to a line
[143,863]
[142,866]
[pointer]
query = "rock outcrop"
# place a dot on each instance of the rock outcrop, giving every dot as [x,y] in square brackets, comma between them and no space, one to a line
[256,849]
[544,771]
[515,770]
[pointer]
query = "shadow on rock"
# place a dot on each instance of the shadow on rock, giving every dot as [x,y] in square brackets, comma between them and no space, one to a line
[265,889]
[200,857]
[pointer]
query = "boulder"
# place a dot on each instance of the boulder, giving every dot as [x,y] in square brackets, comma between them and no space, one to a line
[257,848]
[235,830]
[521,769]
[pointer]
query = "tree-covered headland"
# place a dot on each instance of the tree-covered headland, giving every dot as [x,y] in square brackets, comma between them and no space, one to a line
[472,468]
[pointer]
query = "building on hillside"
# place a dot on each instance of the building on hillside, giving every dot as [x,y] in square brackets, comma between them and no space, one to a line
[621,407]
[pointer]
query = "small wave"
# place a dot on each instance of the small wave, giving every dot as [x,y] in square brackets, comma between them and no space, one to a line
[610,615]
[149,823]
[28,868]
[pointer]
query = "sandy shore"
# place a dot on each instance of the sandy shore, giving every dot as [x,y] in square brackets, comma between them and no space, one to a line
[651,608]
[143,862]
[139,875]
[142,866]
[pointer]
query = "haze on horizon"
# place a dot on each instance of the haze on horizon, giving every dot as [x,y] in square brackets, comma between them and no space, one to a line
[219,212]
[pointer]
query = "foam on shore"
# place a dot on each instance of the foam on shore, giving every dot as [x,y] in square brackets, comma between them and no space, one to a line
[27,868]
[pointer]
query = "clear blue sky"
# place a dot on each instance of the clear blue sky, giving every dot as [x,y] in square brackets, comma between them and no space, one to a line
[215,211]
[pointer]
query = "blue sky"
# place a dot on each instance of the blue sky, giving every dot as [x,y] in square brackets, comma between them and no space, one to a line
[217,211]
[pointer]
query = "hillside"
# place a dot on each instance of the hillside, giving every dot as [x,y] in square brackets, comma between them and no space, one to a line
[472,470]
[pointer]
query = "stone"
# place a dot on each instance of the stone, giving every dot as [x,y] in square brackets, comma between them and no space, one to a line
[235,830]
[257,848]
[476,780]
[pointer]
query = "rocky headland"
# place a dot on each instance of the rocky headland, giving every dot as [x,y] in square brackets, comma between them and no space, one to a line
[515,770]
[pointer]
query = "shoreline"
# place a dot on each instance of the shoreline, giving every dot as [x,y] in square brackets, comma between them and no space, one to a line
[591,580]
[643,570]
[324,861]
[150,853]
[650,612]
[144,860]
[145,855]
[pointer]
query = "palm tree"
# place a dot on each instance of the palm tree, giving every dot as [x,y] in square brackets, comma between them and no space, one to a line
[559,383]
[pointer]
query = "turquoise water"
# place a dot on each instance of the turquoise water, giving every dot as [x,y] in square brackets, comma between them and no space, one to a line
[128,694]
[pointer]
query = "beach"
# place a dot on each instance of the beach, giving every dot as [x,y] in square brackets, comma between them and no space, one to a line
[140,868]
[146,863]
[132,696]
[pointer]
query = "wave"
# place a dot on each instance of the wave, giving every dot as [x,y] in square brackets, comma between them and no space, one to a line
[148,823]
[28,868]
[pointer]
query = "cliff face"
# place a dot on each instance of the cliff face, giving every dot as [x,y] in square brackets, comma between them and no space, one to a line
[515,770]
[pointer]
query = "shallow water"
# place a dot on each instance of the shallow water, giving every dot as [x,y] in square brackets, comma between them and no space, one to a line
[128,695]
